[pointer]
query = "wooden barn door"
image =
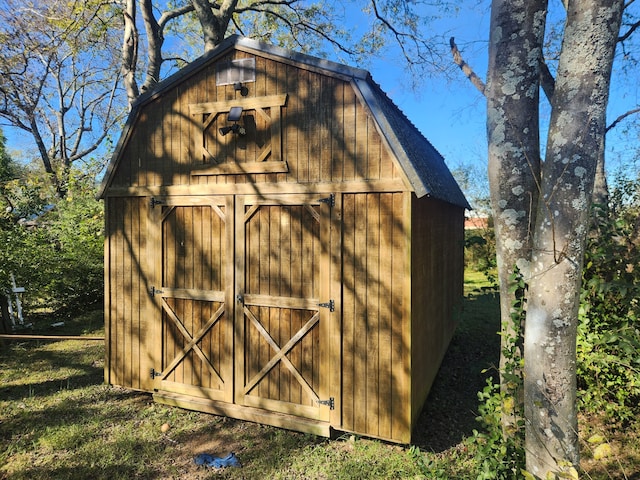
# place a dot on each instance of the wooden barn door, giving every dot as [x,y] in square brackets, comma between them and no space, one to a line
[281,285]
[192,291]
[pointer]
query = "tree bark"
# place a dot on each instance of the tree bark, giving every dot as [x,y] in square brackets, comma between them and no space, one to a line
[214,23]
[155,40]
[575,141]
[512,92]
[130,51]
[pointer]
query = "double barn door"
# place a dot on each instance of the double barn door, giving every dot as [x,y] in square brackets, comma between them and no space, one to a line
[240,296]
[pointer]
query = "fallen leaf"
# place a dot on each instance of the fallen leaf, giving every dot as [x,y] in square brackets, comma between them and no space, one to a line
[602,451]
[597,438]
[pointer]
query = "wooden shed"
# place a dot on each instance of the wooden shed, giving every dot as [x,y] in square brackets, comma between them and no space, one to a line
[282,246]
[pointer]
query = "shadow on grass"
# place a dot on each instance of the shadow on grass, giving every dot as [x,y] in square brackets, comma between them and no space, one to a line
[43,357]
[109,433]
[94,473]
[451,408]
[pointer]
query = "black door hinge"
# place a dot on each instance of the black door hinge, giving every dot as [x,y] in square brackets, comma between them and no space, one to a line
[154,201]
[331,305]
[330,200]
[155,374]
[329,403]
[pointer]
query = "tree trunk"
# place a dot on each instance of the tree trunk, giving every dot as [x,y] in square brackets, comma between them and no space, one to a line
[61,188]
[512,91]
[130,51]
[155,40]
[575,140]
[5,322]
[600,187]
[214,23]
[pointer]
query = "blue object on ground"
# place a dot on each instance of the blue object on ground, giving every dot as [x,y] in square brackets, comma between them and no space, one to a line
[217,462]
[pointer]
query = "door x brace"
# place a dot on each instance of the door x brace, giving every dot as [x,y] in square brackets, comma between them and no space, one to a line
[281,353]
[192,342]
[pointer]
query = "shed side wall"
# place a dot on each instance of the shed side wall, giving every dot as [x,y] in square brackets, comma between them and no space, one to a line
[375,340]
[437,289]
[127,332]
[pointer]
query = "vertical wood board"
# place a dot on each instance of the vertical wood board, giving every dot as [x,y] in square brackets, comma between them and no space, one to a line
[375,324]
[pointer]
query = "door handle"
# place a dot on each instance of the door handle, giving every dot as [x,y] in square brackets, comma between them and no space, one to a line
[239,298]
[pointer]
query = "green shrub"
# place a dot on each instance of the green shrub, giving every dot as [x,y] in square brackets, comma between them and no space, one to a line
[54,247]
[480,252]
[609,330]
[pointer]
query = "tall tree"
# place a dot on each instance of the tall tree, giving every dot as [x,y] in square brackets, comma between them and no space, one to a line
[575,144]
[57,78]
[542,207]
[299,24]
[512,91]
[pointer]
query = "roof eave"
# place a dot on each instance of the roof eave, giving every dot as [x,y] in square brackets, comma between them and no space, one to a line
[410,175]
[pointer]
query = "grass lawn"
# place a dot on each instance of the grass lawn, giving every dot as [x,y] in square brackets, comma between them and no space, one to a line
[59,421]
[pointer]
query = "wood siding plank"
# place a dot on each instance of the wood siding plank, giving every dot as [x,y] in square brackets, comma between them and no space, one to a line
[350,140]
[372,331]
[360,315]
[387,298]
[348,333]
[325,127]
[136,327]
[127,308]
[109,276]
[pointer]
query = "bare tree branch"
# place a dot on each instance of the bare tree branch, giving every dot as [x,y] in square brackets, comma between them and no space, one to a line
[464,66]
[629,32]
[299,24]
[547,82]
[622,117]
[402,37]
[176,13]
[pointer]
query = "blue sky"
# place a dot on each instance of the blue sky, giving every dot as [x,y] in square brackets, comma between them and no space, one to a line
[446,108]
[450,112]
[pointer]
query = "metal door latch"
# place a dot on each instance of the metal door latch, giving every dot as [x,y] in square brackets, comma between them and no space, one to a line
[153,290]
[155,374]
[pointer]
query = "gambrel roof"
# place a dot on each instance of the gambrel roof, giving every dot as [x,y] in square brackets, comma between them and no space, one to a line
[423,166]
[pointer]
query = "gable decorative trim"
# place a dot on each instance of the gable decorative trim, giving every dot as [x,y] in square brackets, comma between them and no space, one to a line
[270,158]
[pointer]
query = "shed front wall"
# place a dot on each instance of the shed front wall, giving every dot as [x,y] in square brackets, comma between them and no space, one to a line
[323,133]
[128,332]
